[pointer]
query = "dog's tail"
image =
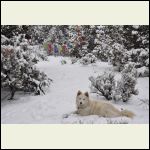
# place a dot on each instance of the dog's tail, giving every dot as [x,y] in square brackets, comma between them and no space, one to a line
[127,113]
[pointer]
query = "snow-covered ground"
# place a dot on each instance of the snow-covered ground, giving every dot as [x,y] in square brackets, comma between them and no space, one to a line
[60,97]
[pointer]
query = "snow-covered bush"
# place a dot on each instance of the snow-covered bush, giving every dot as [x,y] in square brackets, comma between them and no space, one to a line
[18,71]
[125,87]
[130,68]
[103,84]
[83,51]
[38,52]
[118,90]
[101,51]
[140,57]
[143,70]
[88,59]
[117,56]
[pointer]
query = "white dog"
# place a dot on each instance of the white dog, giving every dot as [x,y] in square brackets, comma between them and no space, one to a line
[86,107]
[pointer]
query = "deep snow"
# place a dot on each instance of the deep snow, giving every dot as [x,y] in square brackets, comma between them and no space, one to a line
[60,97]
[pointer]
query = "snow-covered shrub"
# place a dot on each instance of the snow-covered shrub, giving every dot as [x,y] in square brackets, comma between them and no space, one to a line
[133,55]
[117,56]
[88,59]
[125,87]
[110,88]
[74,60]
[38,52]
[34,81]
[140,57]
[18,71]
[101,51]
[130,67]
[83,51]
[103,84]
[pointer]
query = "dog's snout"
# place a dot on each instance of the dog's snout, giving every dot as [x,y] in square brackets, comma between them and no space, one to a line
[80,103]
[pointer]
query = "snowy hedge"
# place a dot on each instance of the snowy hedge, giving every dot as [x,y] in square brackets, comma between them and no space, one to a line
[88,59]
[110,88]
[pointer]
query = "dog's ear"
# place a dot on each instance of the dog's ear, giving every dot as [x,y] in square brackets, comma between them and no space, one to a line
[86,94]
[79,92]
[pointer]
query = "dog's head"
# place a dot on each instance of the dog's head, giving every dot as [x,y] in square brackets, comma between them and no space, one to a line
[82,99]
